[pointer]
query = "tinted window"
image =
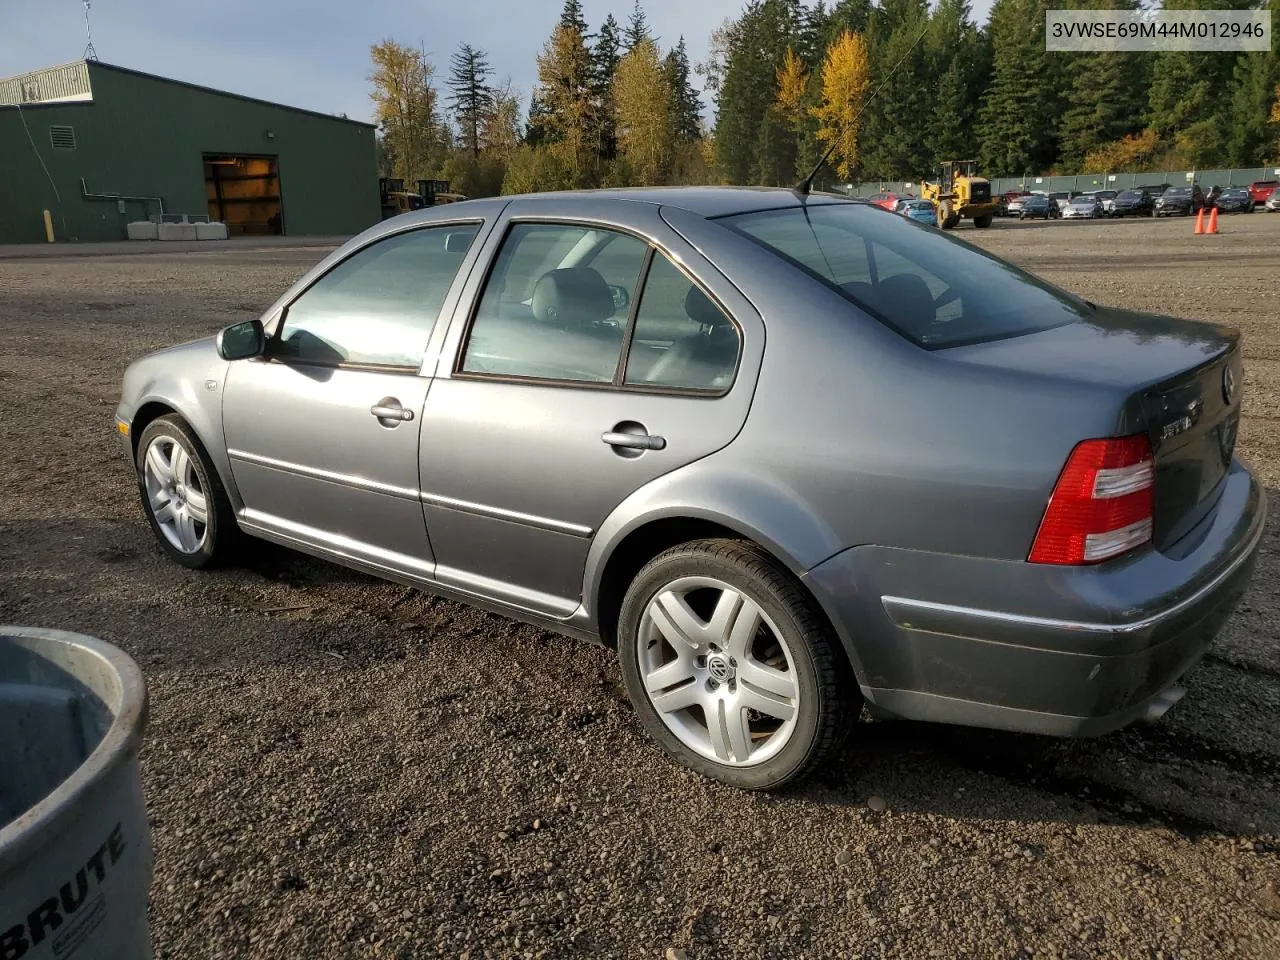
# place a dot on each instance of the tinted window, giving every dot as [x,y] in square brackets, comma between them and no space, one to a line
[933,289]
[1178,192]
[549,310]
[379,305]
[1131,195]
[681,339]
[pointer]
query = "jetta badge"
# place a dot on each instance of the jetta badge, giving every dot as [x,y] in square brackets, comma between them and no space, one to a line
[1229,385]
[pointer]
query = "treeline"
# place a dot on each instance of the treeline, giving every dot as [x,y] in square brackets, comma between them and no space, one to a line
[948,89]
[610,109]
[895,85]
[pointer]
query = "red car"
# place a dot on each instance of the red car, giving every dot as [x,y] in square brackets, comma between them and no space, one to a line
[889,200]
[1260,190]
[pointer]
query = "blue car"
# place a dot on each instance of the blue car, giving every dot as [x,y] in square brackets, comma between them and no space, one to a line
[921,210]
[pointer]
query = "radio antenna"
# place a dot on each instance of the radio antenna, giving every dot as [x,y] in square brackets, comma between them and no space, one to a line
[89,52]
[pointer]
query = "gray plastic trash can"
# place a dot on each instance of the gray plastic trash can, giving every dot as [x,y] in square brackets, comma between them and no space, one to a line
[75,846]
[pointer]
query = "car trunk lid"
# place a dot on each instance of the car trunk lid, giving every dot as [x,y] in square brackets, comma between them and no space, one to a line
[1176,381]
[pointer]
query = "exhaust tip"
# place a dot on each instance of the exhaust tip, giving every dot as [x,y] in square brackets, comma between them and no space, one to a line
[1163,702]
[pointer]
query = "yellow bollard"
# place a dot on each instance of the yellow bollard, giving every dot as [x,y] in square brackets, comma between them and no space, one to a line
[48,226]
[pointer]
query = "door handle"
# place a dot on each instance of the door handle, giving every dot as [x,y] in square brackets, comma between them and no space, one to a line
[390,409]
[634,441]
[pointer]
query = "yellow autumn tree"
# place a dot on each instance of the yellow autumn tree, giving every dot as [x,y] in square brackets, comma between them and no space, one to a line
[1133,152]
[642,98]
[405,108]
[568,112]
[845,79]
[793,86]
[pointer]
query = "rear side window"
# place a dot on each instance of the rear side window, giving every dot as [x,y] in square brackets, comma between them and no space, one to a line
[931,288]
[379,306]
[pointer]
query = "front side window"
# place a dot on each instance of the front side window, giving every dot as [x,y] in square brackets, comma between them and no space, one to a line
[931,288]
[555,306]
[379,306]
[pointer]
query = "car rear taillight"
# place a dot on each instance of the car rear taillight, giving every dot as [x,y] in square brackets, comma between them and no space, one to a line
[1101,506]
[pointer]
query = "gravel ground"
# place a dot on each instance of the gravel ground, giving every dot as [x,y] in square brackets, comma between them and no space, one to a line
[336,767]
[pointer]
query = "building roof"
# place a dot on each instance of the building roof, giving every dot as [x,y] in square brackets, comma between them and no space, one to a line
[73,83]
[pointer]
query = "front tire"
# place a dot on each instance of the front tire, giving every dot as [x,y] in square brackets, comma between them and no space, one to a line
[182,495]
[982,222]
[731,667]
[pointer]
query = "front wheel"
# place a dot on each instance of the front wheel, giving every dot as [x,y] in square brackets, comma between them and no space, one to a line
[182,496]
[982,222]
[730,666]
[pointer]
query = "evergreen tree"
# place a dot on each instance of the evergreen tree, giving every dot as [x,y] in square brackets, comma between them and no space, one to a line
[854,15]
[896,139]
[605,56]
[1106,95]
[472,98]
[1253,131]
[686,107]
[751,144]
[958,55]
[637,31]
[571,17]
[1018,118]
[566,102]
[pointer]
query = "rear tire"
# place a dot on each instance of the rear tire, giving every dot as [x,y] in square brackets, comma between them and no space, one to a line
[982,222]
[183,497]
[731,667]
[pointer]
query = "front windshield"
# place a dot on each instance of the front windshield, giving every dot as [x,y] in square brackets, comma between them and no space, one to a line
[933,289]
[1131,195]
[1178,192]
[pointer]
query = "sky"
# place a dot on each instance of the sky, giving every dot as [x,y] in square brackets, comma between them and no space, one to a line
[315,54]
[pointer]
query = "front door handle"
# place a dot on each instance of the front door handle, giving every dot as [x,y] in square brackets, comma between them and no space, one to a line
[634,441]
[389,408]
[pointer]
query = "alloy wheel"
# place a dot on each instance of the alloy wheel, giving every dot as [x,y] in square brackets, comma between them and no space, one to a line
[718,671]
[175,496]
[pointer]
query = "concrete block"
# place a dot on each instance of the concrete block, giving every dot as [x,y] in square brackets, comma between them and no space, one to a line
[211,231]
[177,231]
[142,230]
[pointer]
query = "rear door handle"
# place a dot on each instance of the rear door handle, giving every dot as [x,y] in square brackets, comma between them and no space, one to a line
[390,409]
[634,441]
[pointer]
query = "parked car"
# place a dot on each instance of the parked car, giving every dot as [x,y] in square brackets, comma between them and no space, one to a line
[1039,206]
[1262,190]
[889,200]
[1010,202]
[1086,206]
[1273,201]
[1235,200]
[1013,204]
[1107,198]
[1133,203]
[561,407]
[1064,197]
[1180,201]
[920,210]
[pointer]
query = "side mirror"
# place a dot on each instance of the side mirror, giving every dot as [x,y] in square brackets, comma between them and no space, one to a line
[241,340]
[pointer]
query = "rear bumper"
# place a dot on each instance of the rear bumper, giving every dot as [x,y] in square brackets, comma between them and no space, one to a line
[1034,648]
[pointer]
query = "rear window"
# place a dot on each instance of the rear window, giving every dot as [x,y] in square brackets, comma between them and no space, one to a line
[931,288]
[1264,184]
[1131,195]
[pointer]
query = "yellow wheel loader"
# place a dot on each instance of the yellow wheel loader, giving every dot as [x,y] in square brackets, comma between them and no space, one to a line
[960,193]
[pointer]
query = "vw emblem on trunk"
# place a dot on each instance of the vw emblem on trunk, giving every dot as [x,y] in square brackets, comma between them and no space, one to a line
[1229,385]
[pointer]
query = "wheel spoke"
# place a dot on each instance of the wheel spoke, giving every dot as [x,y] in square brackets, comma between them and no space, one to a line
[166,513]
[742,633]
[669,675]
[773,681]
[178,463]
[720,626]
[764,702]
[161,469]
[186,527]
[159,499]
[197,506]
[735,721]
[673,618]
[716,729]
[681,698]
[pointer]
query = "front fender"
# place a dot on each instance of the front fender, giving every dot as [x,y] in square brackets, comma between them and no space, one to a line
[189,381]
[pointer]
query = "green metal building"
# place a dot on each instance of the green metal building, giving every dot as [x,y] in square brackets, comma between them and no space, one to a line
[100,146]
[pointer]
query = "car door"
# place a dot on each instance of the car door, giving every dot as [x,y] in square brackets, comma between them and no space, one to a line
[322,430]
[554,401]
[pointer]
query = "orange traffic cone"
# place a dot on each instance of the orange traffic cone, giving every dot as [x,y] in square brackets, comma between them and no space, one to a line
[1200,222]
[1213,221]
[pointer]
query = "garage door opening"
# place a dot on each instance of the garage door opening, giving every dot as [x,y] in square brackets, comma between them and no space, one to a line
[244,193]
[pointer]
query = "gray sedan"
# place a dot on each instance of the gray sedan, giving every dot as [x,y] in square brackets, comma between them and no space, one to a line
[785,454]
